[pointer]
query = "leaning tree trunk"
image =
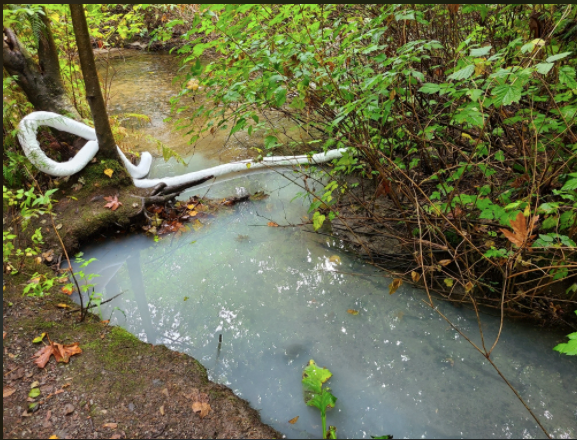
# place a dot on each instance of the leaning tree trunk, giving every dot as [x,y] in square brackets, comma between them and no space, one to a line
[41,81]
[106,143]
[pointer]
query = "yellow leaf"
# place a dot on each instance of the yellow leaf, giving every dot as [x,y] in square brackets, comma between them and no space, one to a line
[109,172]
[353,312]
[192,213]
[395,285]
[466,136]
[38,340]
[53,436]
[415,276]
[448,282]
[248,165]
[63,306]
[527,211]
[335,259]
[294,420]
[468,287]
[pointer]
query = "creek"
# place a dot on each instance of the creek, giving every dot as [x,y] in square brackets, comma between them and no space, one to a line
[280,296]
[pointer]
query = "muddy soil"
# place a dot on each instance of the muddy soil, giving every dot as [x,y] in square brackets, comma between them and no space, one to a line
[118,387]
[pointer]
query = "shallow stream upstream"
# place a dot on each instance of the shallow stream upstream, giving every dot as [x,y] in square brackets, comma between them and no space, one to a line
[280,296]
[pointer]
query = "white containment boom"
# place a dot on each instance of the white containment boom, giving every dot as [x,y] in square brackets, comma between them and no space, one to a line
[27,136]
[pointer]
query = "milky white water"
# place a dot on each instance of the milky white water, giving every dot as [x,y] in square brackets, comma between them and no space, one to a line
[279,297]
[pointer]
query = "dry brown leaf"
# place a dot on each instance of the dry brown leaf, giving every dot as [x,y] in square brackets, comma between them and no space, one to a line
[272,224]
[353,311]
[110,425]
[445,262]
[43,356]
[113,202]
[8,391]
[61,353]
[161,409]
[294,420]
[415,277]
[397,282]
[202,408]
[521,232]
[66,290]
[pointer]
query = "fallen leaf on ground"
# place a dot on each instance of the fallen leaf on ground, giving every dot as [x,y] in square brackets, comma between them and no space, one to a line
[109,172]
[520,230]
[113,202]
[61,353]
[161,409]
[34,393]
[63,306]
[53,436]
[272,224]
[66,290]
[202,408]
[353,312]
[68,409]
[395,285]
[110,425]
[293,420]
[8,391]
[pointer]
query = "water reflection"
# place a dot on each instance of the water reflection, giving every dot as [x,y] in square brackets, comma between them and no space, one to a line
[279,297]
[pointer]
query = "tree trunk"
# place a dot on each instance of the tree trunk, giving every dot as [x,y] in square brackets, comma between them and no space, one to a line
[42,81]
[106,143]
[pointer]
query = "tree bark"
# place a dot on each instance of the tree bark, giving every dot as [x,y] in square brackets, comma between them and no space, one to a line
[106,143]
[42,81]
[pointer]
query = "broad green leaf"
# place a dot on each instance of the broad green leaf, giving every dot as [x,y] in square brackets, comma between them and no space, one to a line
[280,96]
[557,57]
[481,51]
[500,156]
[315,374]
[567,77]
[429,88]
[568,348]
[507,94]
[544,68]
[464,73]
[569,185]
[34,392]
[322,400]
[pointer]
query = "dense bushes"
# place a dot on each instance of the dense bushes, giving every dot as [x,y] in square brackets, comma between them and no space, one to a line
[464,116]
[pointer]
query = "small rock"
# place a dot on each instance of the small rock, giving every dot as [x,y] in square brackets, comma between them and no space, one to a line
[157,382]
[131,406]
[103,412]
[68,409]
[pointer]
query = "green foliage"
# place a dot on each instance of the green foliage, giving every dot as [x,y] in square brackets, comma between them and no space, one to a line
[569,348]
[315,395]
[471,126]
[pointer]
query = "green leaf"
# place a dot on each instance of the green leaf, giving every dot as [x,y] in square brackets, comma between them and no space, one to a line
[568,348]
[318,220]
[322,400]
[270,142]
[34,392]
[507,94]
[544,68]
[557,57]
[280,96]
[569,185]
[429,88]
[500,156]
[567,77]
[481,52]
[314,376]
[464,73]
